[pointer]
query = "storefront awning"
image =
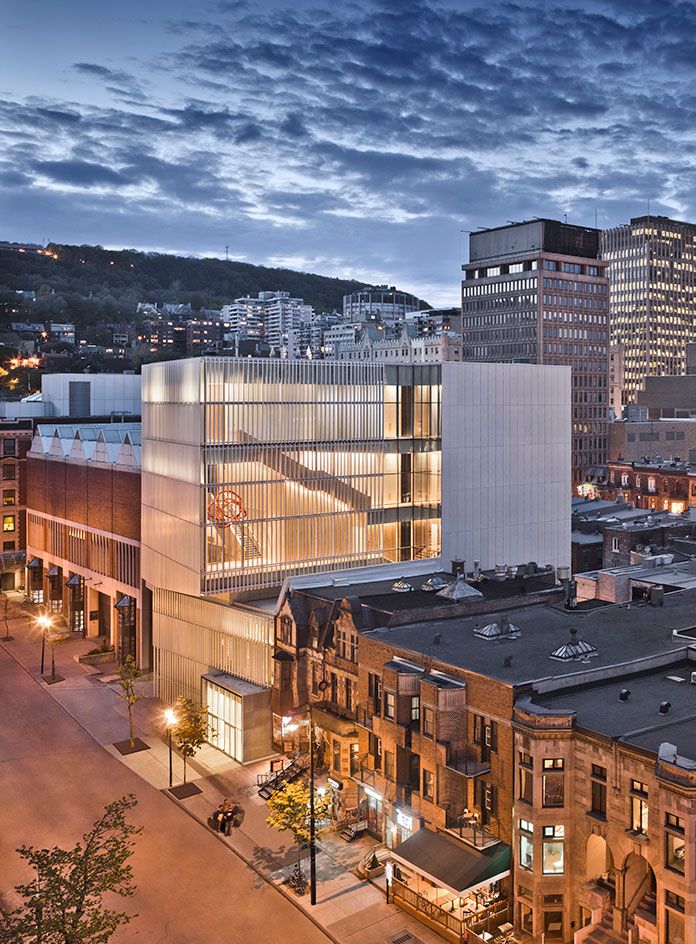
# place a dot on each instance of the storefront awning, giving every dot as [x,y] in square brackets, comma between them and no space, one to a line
[451,864]
[34,563]
[53,572]
[123,603]
[73,581]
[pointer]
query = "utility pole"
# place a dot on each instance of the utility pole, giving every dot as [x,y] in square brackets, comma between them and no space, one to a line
[312,825]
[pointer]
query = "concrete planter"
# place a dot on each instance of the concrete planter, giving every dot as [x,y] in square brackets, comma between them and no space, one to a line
[97,658]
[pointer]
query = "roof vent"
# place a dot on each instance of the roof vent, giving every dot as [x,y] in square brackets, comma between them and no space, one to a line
[433,583]
[624,694]
[574,650]
[664,707]
[402,586]
[503,629]
[459,589]
[507,662]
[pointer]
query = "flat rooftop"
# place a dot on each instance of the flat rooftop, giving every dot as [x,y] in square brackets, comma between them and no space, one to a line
[637,721]
[622,634]
[380,595]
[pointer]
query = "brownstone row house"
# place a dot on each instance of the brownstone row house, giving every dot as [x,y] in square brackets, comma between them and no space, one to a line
[467,735]
[652,483]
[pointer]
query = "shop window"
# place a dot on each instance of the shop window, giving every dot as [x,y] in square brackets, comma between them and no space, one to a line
[552,862]
[8,522]
[389,705]
[9,447]
[428,722]
[389,765]
[8,497]
[639,807]
[336,755]
[526,844]
[9,472]
[552,782]
[428,785]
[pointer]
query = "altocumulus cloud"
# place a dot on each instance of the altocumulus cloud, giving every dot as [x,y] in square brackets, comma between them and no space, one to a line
[361,138]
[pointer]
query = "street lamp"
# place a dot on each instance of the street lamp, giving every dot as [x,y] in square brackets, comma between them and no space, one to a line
[170,719]
[312,824]
[44,622]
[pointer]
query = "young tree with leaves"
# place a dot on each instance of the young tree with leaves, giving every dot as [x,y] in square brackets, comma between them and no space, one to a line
[191,729]
[63,902]
[288,808]
[128,675]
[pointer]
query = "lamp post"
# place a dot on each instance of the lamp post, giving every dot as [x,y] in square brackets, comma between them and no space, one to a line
[171,719]
[44,622]
[312,824]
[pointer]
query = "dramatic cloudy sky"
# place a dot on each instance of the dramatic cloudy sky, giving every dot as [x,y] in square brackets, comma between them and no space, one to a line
[354,138]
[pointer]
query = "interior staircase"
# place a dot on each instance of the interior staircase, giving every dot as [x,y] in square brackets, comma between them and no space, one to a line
[246,540]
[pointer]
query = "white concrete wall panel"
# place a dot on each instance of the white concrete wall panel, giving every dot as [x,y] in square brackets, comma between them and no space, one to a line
[506,477]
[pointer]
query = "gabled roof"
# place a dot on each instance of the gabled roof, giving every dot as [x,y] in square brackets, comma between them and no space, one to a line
[115,444]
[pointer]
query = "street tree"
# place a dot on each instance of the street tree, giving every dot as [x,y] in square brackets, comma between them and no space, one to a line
[63,902]
[128,675]
[288,810]
[191,729]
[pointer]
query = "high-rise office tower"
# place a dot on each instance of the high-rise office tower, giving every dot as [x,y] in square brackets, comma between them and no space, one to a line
[535,292]
[652,297]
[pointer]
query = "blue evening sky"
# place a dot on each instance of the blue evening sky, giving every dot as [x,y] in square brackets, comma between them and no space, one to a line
[355,139]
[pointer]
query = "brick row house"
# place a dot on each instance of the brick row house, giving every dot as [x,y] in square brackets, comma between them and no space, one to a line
[473,742]
[663,486]
[83,544]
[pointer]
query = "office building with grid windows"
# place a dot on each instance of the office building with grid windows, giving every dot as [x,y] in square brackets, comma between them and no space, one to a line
[535,292]
[652,274]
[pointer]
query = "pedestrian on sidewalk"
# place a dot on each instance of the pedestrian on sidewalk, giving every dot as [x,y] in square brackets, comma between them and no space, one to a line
[218,818]
[227,817]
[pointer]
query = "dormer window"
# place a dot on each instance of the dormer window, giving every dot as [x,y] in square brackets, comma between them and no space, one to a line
[285,630]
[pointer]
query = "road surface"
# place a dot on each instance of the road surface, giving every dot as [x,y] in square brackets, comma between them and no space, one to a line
[54,782]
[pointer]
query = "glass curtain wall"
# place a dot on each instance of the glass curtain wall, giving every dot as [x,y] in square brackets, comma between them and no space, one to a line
[313,466]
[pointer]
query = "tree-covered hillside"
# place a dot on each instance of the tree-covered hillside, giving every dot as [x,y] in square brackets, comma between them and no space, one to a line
[88,284]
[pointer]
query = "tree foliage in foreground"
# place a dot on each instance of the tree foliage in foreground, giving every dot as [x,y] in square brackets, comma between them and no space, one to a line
[288,810]
[63,902]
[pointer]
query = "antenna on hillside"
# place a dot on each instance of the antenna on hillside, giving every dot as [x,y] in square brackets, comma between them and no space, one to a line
[227,253]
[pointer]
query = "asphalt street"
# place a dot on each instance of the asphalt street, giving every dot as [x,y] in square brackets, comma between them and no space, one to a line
[54,782]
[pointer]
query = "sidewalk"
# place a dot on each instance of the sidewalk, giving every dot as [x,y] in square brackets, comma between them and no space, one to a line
[348,909]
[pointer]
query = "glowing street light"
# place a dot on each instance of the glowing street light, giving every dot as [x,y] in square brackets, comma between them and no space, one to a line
[44,623]
[170,720]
